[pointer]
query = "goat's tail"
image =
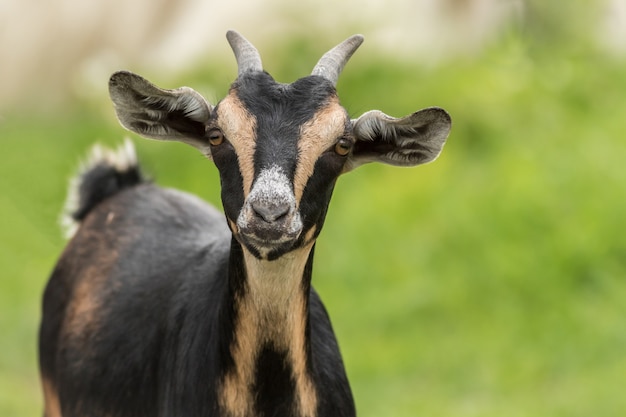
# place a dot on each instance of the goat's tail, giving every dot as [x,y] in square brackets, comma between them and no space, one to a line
[104,173]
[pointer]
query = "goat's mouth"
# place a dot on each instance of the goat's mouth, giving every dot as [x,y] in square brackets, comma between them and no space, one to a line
[268,236]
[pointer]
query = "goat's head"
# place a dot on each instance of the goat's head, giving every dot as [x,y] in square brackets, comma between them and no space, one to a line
[279,148]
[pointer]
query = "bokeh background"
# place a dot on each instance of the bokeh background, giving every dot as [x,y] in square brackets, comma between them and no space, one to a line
[491,282]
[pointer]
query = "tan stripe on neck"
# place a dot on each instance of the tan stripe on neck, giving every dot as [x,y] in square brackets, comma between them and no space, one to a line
[272,311]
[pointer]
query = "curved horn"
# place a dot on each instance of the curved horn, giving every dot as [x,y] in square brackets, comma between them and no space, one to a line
[247,56]
[333,61]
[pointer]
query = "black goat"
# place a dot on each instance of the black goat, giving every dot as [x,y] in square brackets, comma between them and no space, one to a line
[159,307]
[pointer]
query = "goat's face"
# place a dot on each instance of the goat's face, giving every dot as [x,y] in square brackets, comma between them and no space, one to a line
[279,148]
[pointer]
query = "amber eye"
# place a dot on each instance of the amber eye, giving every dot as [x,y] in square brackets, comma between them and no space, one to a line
[343,147]
[216,137]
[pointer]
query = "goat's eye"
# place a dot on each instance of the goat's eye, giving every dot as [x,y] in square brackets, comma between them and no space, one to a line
[216,137]
[343,147]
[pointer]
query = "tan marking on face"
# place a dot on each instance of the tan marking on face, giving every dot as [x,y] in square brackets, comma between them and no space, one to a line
[233,226]
[316,136]
[310,235]
[52,405]
[239,128]
[273,310]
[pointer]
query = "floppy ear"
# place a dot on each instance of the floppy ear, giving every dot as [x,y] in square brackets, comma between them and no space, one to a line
[412,140]
[149,111]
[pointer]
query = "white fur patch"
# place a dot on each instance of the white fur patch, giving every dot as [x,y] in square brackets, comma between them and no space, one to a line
[273,185]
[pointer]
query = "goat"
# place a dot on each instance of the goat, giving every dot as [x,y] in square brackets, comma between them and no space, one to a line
[159,307]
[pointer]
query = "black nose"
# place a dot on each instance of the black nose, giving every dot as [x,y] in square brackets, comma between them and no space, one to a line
[270,211]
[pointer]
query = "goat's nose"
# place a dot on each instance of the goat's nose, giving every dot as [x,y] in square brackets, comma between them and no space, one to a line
[270,211]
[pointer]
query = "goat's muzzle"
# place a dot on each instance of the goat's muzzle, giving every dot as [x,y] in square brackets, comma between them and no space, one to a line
[269,216]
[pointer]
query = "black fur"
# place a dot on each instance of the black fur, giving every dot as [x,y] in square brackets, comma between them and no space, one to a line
[274,383]
[101,181]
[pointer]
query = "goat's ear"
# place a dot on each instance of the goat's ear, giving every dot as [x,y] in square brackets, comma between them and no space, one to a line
[412,140]
[156,113]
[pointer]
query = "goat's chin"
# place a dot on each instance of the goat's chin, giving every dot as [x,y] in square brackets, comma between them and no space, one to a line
[267,241]
[268,249]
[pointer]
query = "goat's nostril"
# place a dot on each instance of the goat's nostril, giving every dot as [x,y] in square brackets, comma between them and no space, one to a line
[270,211]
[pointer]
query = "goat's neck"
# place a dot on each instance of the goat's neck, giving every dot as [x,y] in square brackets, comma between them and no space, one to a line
[270,340]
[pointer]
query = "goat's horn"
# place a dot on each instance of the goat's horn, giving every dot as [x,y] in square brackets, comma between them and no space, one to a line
[333,61]
[247,56]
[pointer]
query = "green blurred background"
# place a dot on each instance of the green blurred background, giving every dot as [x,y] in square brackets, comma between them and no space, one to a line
[488,283]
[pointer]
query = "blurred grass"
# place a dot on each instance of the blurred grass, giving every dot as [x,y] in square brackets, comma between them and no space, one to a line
[489,283]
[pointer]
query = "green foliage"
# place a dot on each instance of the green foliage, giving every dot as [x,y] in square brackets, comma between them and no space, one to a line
[489,283]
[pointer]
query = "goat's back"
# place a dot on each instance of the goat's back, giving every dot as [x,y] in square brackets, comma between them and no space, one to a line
[140,263]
